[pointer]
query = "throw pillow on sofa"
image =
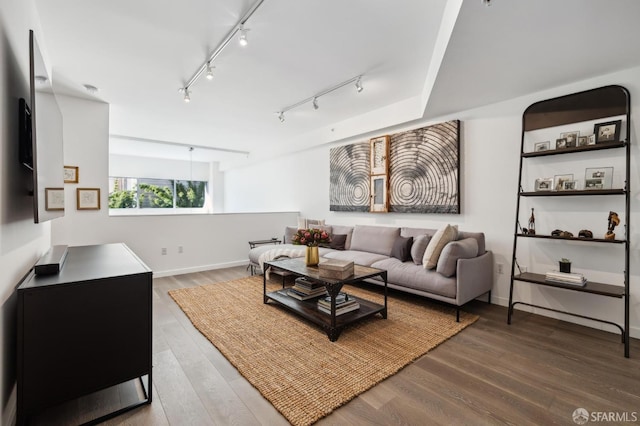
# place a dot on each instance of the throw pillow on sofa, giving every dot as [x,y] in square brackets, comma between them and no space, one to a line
[402,248]
[441,238]
[338,241]
[418,248]
[461,249]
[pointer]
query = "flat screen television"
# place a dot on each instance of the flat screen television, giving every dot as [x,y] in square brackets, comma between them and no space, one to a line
[41,146]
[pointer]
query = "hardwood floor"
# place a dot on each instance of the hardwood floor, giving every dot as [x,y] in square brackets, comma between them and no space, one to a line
[536,371]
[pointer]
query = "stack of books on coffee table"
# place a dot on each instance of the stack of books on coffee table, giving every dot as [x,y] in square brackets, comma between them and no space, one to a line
[566,278]
[304,289]
[344,304]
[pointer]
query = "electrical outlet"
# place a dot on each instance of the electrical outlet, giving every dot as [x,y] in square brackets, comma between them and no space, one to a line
[163,250]
[180,250]
[500,268]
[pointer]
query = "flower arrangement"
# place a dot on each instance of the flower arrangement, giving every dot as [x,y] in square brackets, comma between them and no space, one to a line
[310,237]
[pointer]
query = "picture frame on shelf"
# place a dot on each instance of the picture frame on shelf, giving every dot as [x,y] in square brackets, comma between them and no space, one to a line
[603,174]
[543,184]
[88,198]
[54,199]
[583,141]
[607,132]
[571,137]
[71,174]
[569,185]
[558,181]
[561,143]
[591,139]
[542,146]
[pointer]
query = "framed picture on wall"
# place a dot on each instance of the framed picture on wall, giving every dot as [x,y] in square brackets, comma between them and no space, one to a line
[542,146]
[598,178]
[607,132]
[380,155]
[88,198]
[379,194]
[71,174]
[543,184]
[54,199]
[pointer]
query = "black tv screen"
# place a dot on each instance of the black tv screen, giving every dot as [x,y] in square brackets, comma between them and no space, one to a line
[41,146]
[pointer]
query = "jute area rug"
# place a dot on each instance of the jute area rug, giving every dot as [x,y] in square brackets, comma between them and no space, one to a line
[292,362]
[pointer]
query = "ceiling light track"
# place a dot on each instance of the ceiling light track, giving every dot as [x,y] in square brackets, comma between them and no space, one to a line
[191,146]
[206,65]
[314,99]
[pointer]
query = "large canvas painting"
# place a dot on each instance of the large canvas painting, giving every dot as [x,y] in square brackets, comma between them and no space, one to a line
[349,178]
[424,170]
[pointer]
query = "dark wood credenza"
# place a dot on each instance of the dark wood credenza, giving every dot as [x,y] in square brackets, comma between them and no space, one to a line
[85,329]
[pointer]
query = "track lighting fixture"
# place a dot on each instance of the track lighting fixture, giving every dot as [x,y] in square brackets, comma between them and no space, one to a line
[186,92]
[209,71]
[243,36]
[314,99]
[207,66]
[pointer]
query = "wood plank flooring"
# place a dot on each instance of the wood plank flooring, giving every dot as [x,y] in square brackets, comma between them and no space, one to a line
[533,372]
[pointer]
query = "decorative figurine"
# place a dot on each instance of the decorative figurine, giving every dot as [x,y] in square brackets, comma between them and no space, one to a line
[532,224]
[614,221]
[585,233]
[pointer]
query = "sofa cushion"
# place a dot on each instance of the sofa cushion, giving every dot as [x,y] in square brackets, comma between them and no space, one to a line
[414,232]
[478,236]
[418,248]
[347,230]
[460,249]
[338,241]
[304,223]
[358,257]
[402,248]
[444,235]
[374,239]
[289,232]
[410,275]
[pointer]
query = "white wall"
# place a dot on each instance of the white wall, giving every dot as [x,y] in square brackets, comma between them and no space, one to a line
[490,147]
[208,241]
[21,241]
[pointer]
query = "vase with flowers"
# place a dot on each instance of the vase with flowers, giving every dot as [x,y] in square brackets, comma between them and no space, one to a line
[311,238]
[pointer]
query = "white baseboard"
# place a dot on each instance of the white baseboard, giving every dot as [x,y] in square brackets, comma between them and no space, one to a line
[170,272]
[503,301]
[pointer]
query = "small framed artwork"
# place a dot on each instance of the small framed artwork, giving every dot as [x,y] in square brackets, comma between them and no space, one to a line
[561,143]
[88,198]
[569,185]
[54,199]
[607,132]
[571,137]
[542,146]
[543,184]
[559,180]
[71,174]
[598,178]
[583,140]
[591,140]
[379,194]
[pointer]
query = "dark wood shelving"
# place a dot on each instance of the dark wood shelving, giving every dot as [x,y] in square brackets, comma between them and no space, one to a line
[584,240]
[602,289]
[597,147]
[587,192]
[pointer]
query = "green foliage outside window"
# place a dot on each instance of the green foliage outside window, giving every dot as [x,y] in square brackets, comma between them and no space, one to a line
[123,200]
[190,193]
[155,196]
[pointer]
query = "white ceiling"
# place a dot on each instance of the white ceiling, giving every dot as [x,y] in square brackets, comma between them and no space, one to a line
[138,53]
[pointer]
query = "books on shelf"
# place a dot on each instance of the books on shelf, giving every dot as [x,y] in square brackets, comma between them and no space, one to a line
[344,304]
[566,278]
[304,289]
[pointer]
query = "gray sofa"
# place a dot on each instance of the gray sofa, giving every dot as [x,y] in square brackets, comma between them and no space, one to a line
[464,268]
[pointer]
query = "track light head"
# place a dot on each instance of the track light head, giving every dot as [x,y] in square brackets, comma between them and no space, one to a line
[186,97]
[209,71]
[359,85]
[281,117]
[243,36]
[315,103]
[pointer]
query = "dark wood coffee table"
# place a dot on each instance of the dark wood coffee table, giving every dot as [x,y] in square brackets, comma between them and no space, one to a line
[332,324]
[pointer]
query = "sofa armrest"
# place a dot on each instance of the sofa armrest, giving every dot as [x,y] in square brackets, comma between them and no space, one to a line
[474,277]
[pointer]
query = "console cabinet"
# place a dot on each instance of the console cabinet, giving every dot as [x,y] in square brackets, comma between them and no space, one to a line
[84,329]
[542,123]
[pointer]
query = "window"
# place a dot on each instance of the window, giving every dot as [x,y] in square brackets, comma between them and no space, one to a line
[142,193]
